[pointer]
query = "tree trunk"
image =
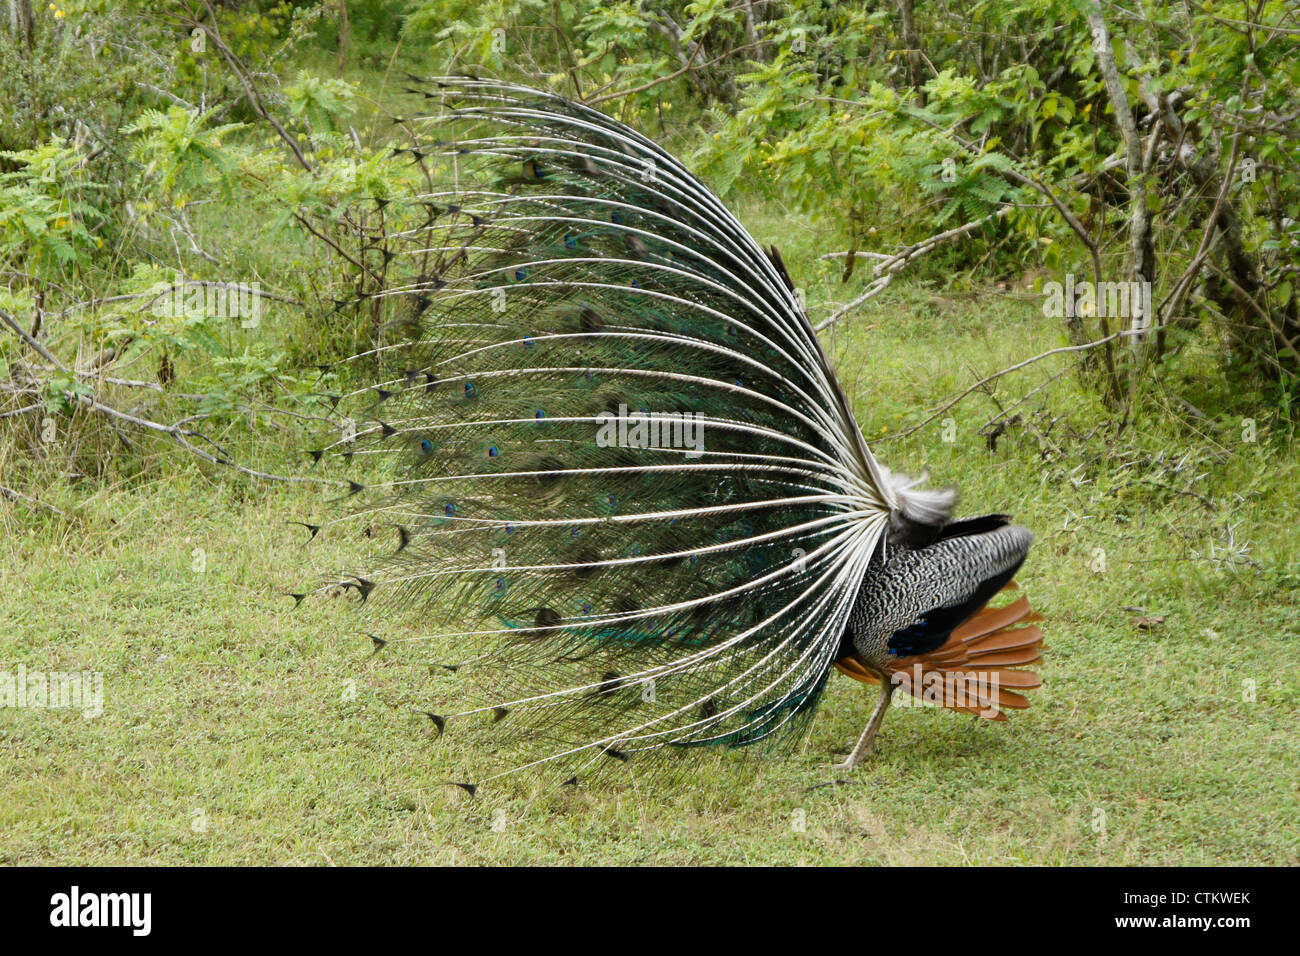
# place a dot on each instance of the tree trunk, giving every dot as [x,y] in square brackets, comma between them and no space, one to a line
[345,35]
[1141,250]
[23,22]
[911,40]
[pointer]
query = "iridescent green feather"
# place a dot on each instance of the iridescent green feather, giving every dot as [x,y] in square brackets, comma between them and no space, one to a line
[620,597]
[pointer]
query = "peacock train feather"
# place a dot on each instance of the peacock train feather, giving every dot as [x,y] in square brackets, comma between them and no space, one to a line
[625,481]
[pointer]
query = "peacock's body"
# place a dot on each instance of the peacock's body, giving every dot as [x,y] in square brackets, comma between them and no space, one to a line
[623,473]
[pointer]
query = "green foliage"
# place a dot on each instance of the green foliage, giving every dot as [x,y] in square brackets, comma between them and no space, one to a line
[164,170]
[183,151]
[49,210]
[322,103]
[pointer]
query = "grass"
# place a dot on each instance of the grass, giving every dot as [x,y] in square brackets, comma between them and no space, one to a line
[237,730]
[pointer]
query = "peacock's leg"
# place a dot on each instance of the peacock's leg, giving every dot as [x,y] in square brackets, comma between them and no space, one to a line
[867,742]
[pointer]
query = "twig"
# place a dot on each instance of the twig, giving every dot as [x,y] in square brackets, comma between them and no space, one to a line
[1002,413]
[245,288]
[885,270]
[22,334]
[214,32]
[28,500]
[653,83]
[857,254]
[181,434]
[1209,505]
[1006,371]
[26,409]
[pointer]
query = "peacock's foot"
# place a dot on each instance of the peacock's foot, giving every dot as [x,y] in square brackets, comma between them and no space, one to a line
[851,762]
[866,746]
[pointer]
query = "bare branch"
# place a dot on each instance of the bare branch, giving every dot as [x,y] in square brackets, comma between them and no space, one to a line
[30,501]
[884,271]
[1006,371]
[250,90]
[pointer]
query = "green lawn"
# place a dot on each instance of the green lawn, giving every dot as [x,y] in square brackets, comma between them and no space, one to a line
[238,730]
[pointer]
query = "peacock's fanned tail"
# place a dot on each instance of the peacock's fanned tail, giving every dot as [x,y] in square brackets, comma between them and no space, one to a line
[624,478]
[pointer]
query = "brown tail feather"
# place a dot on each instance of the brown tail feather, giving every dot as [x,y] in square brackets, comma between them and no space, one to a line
[1002,642]
[987,620]
[1019,657]
[974,666]
[1007,640]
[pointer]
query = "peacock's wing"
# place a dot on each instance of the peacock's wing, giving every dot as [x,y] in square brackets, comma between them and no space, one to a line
[612,443]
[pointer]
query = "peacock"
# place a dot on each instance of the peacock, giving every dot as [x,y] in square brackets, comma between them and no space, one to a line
[624,482]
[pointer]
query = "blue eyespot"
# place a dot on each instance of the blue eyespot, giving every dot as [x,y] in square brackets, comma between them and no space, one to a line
[470,390]
[501,585]
[540,413]
[521,274]
[493,451]
[616,217]
[426,446]
[449,509]
[570,241]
